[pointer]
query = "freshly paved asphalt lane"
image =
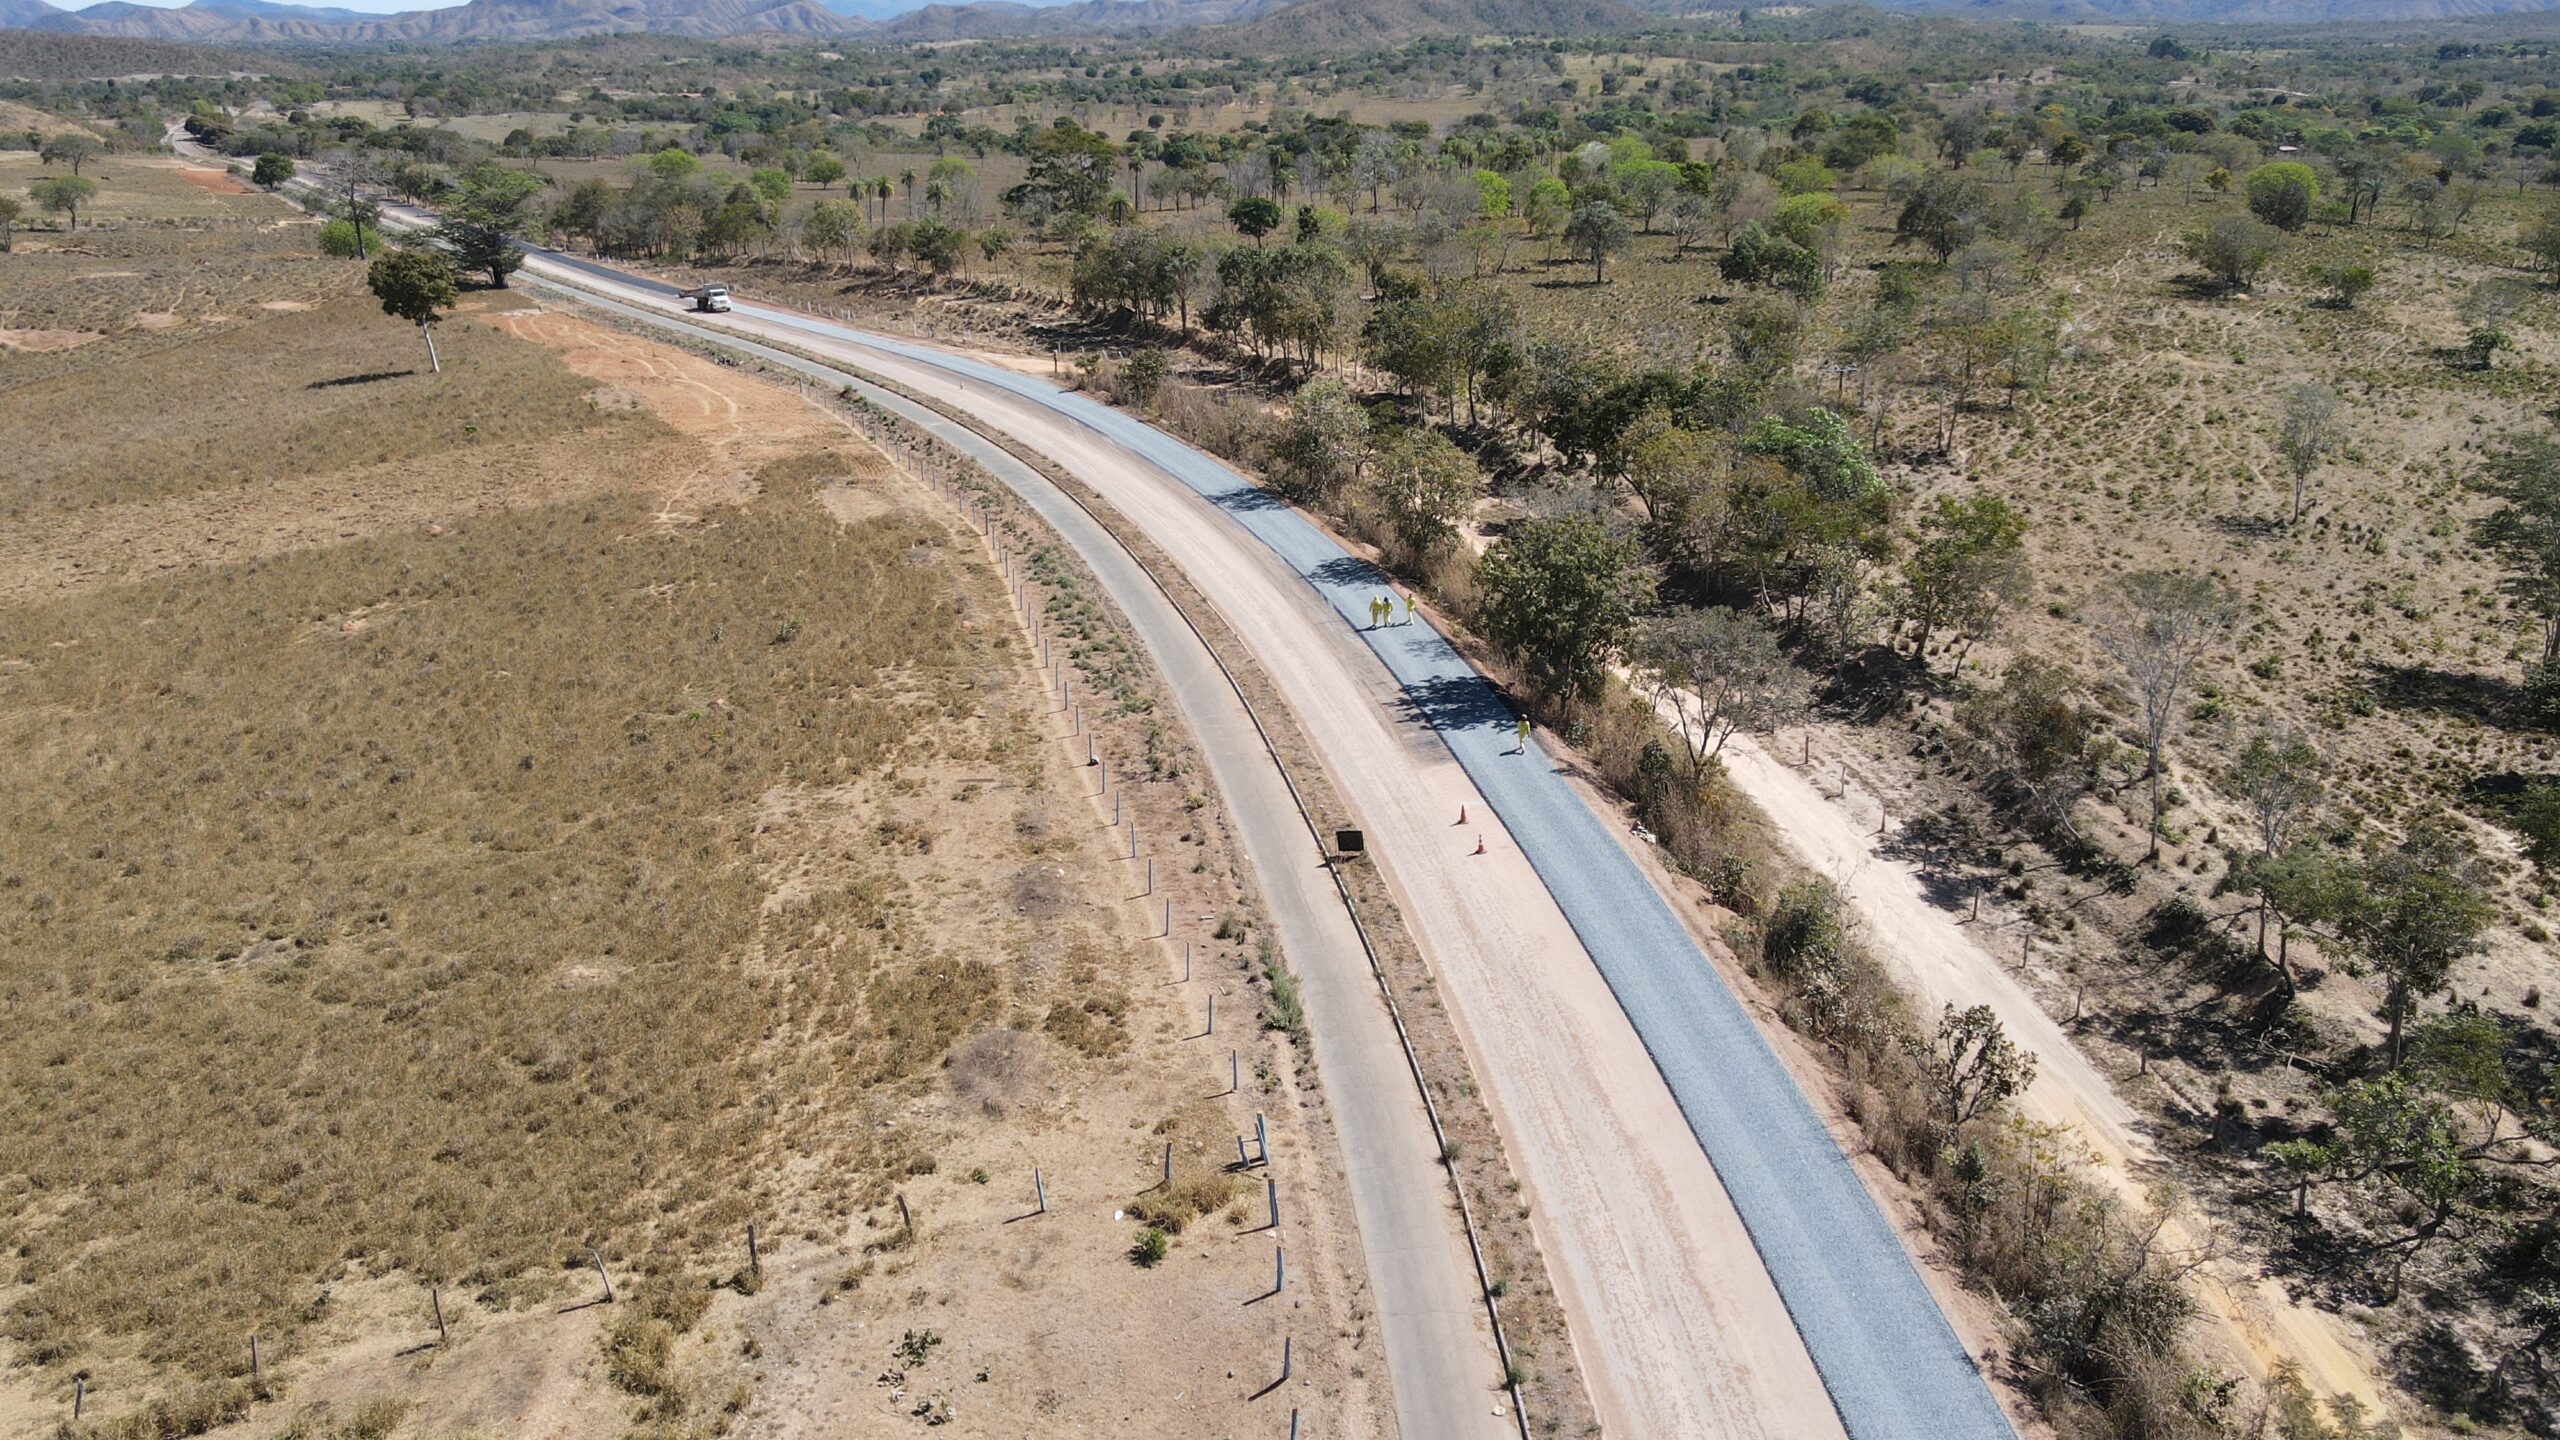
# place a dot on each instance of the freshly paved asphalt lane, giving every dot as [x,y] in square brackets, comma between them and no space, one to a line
[1893,1366]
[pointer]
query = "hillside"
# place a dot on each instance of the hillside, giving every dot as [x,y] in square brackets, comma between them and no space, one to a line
[2229,12]
[1350,24]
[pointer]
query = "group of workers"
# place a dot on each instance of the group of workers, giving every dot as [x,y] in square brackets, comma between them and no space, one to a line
[1382,611]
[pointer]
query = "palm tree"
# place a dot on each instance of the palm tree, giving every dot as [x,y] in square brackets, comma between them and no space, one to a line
[907,178]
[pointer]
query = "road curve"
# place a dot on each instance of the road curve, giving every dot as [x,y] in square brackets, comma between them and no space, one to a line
[1673,1272]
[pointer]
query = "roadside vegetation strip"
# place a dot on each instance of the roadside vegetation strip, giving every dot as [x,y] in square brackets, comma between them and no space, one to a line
[989,454]
[1891,1361]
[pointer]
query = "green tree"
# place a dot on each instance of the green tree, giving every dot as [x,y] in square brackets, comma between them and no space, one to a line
[823,169]
[490,205]
[2231,250]
[1070,173]
[70,148]
[771,184]
[271,169]
[1944,212]
[338,239]
[1424,487]
[2346,284]
[2283,194]
[1969,565]
[416,286]
[1972,1065]
[672,165]
[1562,593]
[2421,908]
[1493,194]
[1324,443]
[1254,217]
[64,195]
[1548,204]
[1596,232]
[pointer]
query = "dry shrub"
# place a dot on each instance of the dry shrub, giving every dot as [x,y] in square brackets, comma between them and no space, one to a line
[1189,1197]
[191,1411]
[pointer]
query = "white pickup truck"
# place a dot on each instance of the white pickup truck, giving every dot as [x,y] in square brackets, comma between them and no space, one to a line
[709,300]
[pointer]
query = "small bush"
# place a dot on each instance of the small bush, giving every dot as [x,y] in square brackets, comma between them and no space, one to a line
[1149,1250]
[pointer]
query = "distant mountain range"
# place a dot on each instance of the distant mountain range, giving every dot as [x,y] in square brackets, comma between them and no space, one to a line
[1246,26]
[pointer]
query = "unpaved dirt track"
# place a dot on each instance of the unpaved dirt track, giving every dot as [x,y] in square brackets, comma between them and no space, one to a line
[1678,1322]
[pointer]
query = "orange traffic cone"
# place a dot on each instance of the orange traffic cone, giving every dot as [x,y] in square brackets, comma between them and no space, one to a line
[1462,814]
[1479,844]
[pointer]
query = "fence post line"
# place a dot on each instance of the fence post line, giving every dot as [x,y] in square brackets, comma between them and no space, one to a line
[755,1261]
[598,1256]
[1271,1195]
[435,1297]
[1039,1191]
[906,1217]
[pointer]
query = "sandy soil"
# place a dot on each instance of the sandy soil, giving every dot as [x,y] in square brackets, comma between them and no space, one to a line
[211,181]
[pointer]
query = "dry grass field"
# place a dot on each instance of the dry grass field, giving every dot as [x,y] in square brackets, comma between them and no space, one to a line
[579,807]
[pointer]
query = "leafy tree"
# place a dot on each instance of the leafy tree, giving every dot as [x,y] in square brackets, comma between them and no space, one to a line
[2158,626]
[2283,194]
[941,246]
[70,148]
[2488,309]
[1718,671]
[2420,909]
[2231,250]
[1493,194]
[1970,563]
[2304,437]
[2524,530]
[1755,256]
[672,165]
[1324,443]
[64,195]
[2281,777]
[833,228]
[771,183]
[1254,217]
[1820,447]
[1423,487]
[338,239]
[416,286]
[1972,1064]
[1596,232]
[271,169]
[1069,174]
[1562,593]
[489,206]
[823,169]
[1548,204]
[10,210]
[1944,212]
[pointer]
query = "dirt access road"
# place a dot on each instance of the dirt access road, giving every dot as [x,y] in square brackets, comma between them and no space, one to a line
[1679,1322]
